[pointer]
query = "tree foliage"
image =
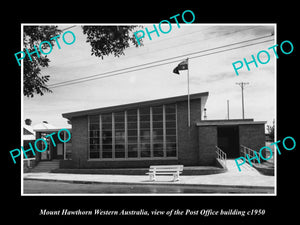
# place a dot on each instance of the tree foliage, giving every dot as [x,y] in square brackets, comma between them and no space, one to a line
[271,130]
[104,41]
[34,82]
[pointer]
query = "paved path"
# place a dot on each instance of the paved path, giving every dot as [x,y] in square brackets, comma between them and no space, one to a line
[245,168]
[248,177]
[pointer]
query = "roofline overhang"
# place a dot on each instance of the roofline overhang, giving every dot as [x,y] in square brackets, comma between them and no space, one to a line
[229,122]
[135,105]
[45,130]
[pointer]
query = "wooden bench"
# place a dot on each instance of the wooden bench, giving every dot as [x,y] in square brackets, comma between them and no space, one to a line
[174,170]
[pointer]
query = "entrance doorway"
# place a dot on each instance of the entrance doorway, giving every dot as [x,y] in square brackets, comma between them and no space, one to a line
[228,140]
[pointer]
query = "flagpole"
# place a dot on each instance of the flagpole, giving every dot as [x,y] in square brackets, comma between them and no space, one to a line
[188,87]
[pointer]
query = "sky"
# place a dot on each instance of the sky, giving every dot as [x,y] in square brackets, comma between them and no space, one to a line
[209,72]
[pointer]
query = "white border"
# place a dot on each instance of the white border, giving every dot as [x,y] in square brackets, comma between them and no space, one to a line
[157,194]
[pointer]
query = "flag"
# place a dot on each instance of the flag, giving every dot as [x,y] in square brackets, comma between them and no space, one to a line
[181,66]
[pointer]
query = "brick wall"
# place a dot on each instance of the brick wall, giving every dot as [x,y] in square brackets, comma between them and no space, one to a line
[79,141]
[188,136]
[208,139]
[252,136]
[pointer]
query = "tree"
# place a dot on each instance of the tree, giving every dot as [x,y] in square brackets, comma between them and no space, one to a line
[34,82]
[104,40]
[270,130]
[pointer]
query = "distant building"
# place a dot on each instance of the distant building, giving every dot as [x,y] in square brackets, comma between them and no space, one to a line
[60,150]
[28,136]
[156,132]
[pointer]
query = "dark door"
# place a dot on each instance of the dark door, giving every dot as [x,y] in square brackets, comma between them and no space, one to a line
[228,140]
[57,151]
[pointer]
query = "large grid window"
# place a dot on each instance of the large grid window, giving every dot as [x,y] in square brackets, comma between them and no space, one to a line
[146,132]
[94,137]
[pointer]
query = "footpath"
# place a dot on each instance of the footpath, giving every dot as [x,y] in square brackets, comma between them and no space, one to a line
[248,177]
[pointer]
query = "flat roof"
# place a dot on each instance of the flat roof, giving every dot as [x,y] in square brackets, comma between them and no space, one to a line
[45,130]
[134,105]
[228,122]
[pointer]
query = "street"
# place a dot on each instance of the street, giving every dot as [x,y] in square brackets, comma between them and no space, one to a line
[54,187]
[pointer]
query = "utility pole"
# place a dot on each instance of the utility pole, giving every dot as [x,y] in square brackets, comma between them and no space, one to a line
[242,85]
[228,109]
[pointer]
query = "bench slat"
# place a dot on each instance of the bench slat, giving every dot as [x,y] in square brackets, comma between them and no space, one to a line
[166,166]
[164,170]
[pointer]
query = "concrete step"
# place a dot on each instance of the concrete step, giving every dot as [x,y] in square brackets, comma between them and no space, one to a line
[46,166]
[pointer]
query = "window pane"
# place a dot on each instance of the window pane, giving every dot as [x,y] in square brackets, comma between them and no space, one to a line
[119,117]
[171,139]
[145,111]
[170,117]
[170,108]
[120,137]
[131,112]
[145,117]
[120,151]
[94,119]
[132,126]
[145,149]
[106,126]
[106,137]
[94,139]
[94,133]
[170,132]
[171,153]
[145,136]
[170,146]
[158,139]
[158,125]
[145,125]
[132,119]
[171,124]
[158,148]
[94,151]
[157,117]
[94,126]
[120,126]
[132,133]
[107,151]
[132,151]
[145,142]
[132,139]
[106,118]
[157,110]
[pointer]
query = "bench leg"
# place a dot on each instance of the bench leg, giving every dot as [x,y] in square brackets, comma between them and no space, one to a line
[176,177]
[152,177]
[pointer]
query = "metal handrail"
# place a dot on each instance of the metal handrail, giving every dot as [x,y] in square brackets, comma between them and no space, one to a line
[28,161]
[248,151]
[221,156]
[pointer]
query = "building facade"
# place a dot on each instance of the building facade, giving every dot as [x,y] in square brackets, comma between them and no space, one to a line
[148,133]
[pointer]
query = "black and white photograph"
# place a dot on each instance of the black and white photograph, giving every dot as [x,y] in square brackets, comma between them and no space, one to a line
[169,114]
[150,109]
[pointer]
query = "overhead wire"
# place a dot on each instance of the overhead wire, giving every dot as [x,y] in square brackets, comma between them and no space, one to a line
[174,46]
[146,65]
